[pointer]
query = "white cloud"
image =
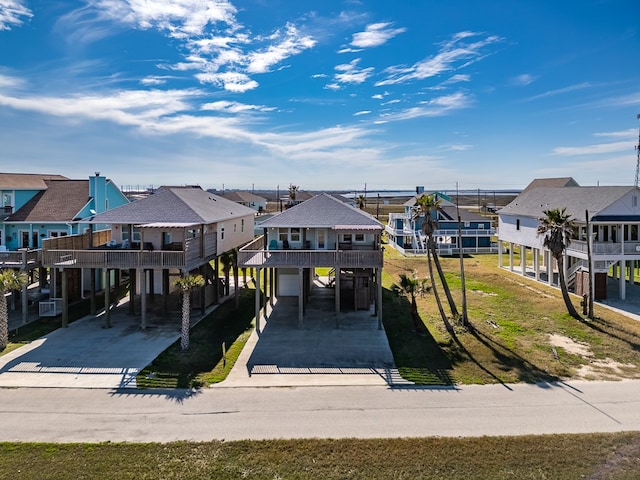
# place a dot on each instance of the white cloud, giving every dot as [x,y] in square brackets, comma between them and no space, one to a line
[454,54]
[375,35]
[218,48]
[235,107]
[561,91]
[12,13]
[350,73]
[433,108]
[594,149]
[231,81]
[362,112]
[290,42]
[523,80]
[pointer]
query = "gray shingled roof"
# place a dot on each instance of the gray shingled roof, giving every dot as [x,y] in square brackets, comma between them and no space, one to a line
[322,211]
[61,201]
[557,182]
[576,200]
[179,205]
[238,196]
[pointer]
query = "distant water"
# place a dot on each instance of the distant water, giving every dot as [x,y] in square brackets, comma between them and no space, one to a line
[450,193]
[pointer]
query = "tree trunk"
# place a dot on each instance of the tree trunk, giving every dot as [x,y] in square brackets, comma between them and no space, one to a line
[435,293]
[565,292]
[186,319]
[4,322]
[443,280]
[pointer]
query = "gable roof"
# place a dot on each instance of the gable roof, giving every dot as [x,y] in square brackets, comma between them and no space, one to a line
[60,201]
[238,196]
[27,181]
[557,182]
[323,211]
[576,200]
[175,205]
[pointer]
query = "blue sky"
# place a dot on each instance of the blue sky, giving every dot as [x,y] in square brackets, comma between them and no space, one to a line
[323,94]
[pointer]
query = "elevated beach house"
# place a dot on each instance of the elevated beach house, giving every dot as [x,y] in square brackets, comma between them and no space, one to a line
[404,230]
[175,231]
[37,207]
[613,237]
[319,232]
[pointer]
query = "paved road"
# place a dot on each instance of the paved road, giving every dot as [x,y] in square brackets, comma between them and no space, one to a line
[96,415]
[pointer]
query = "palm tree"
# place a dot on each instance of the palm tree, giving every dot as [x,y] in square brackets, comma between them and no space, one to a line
[187,284]
[361,201]
[412,286]
[557,226]
[9,280]
[425,204]
[293,190]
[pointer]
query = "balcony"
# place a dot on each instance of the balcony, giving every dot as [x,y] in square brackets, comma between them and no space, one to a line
[76,252]
[255,255]
[23,259]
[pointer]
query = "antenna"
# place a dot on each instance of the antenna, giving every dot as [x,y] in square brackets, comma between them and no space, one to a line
[638,155]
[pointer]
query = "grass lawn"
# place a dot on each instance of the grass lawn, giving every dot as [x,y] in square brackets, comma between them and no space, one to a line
[203,363]
[521,331]
[598,456]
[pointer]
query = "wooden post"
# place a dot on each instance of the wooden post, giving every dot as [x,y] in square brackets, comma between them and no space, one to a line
[107,298]
[143,299]
[65,299]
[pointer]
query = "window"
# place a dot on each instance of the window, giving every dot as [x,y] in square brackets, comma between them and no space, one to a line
[7,199]
[481,226]
[295,234]
[283,234]
[136,234]
[347,238]
[242,225]
[467,224]
[359,238]
[222,231]
[235,227]
[518,224]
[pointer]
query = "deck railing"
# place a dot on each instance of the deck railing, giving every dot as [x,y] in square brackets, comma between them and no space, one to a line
[116,258]
[23,259]
[254,255]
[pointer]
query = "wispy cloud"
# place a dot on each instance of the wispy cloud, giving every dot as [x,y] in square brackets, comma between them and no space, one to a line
[523,80]
[12,13]
[433,108]
[235,107]
[459,52]
[560,91]
[594,149]
[375,34]
[362,112]
[350,73]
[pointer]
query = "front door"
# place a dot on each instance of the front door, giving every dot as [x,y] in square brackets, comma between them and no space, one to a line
[321,239]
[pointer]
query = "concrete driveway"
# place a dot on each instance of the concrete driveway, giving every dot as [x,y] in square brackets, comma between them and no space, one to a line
[87,355]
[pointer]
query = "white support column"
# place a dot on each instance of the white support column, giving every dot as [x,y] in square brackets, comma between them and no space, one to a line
[549,267]
[500,253]
[257,304]
[536,263]
[511,256]
[523,259]
[623,280]
[143,298]
[300,298]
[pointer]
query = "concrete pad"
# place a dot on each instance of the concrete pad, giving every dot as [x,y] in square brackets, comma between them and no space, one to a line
[348,349]
[87,355]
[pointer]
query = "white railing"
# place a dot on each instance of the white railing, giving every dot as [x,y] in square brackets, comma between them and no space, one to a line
[599,248]
[19,258]
[50,308]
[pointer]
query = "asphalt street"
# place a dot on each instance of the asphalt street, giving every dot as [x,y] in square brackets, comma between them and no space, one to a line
[219,413]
